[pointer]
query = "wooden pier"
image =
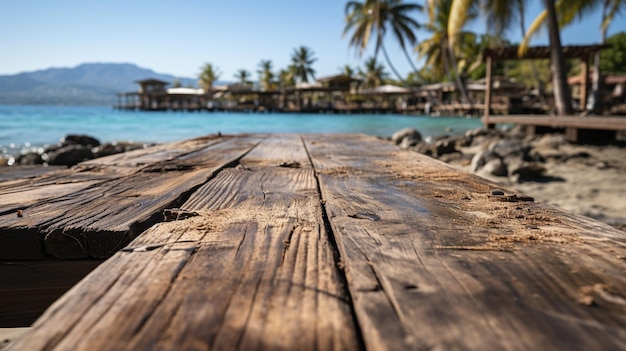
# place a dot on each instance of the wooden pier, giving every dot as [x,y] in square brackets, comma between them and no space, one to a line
[310,242]
[576,128]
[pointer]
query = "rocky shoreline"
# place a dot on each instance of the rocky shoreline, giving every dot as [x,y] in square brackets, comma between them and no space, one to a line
[69,151]
[586,179]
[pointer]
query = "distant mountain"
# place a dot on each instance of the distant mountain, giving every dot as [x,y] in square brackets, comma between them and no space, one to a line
[86,84]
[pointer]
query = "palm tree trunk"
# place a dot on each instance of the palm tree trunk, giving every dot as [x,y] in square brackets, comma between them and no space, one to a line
[562,97]
[393,69]
[408,58]
[533,67]
[444,59]
[596,100]
[459,82]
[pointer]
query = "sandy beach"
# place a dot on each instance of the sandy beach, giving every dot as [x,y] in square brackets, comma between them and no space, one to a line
[593,186]
[585,179]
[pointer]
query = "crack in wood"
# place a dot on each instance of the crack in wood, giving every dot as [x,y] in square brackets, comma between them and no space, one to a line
[286,243]
[333,240]
[365,215]
[177,214]
[152,247]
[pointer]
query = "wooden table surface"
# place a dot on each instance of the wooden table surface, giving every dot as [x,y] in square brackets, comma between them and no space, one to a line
[310,242]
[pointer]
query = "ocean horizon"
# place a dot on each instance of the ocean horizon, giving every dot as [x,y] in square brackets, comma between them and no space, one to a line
[29,127]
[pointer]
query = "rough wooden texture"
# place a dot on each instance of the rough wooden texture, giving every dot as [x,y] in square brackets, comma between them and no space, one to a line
[255,269]
[346,242]
[591,122]
[15,172]
[435,262]
[98,207]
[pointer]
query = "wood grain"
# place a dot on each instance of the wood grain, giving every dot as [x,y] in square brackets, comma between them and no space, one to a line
[321,242]
[95,209]
[254,270]
[435,262]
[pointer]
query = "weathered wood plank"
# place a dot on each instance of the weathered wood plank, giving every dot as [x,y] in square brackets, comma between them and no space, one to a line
[16,172]
[157,153]
[255,269]
[102,207]
[22,192]
[434,261]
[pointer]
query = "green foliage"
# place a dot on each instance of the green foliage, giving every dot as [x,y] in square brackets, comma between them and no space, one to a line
[373,74]
[347,71]
[286,77]
[373,18]
[613,59]
[208,74]
[479,72]
[266,76]
[302,64]
[414,79]
[243,76]
[522,71]
[355,98]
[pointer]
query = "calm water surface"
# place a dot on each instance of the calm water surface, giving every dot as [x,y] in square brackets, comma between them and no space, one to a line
[27,127]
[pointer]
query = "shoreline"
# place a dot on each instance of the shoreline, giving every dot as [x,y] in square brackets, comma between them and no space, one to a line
[69,151]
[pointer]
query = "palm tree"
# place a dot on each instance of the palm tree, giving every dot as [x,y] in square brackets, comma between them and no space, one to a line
[374,73]
[266,76]
[436,49]
[347,71]
[562,97]
[374,17]
[559,79]
[242,77]
[504,14]
[208,75]
[570,10]
[302,61]
[286,77]
[442,48]
[501,15]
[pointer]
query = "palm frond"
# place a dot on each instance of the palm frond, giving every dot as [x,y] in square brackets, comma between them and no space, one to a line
[616,8]
[532,31]
[457,18]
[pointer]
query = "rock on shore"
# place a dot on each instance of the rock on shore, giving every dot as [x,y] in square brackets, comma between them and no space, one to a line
[70,151]
[587,179]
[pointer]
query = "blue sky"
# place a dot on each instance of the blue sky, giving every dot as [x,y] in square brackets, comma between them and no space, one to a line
[177,37]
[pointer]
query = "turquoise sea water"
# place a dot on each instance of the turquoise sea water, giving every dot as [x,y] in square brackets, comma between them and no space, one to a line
[27,127]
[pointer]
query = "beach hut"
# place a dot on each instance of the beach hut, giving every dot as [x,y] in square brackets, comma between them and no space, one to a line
[388,97]
[613,91]
[152,94]
[339,82]
[185,98]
